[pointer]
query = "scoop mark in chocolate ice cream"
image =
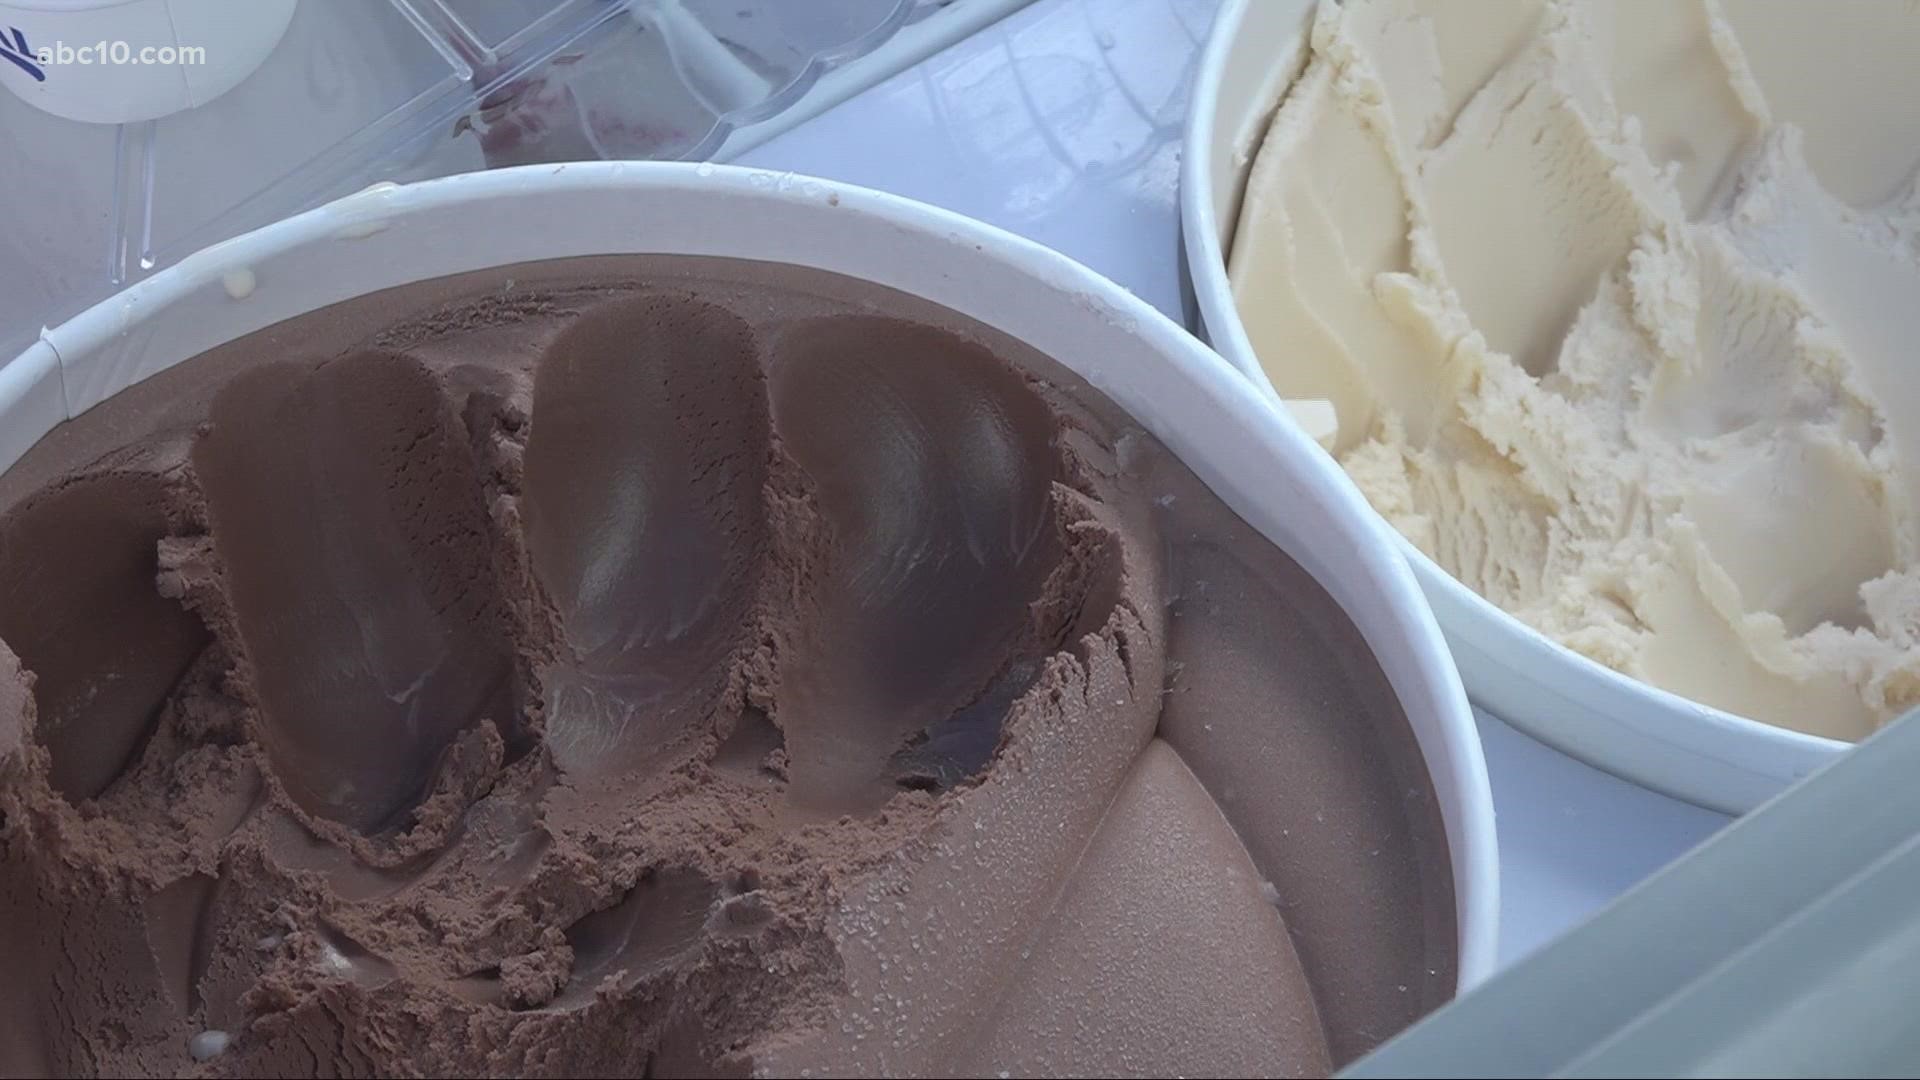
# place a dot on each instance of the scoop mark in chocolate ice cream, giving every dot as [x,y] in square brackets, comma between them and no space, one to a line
[739,671]
[357,557]
[339,955]
[754,750]
[938,497]
[950,751]
[180,926]
[643,514]
[77,567]
[656,924]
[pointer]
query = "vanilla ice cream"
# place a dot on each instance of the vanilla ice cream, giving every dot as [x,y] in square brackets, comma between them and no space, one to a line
[1617,311]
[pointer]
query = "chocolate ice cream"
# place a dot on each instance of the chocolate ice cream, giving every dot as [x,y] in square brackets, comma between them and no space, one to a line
[666,667]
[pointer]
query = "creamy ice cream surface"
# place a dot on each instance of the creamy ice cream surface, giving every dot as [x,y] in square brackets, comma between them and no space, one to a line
[1618,310]
[657,666]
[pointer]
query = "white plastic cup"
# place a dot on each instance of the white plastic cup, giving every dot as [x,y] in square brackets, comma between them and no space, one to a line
[1269,473]
[121,61]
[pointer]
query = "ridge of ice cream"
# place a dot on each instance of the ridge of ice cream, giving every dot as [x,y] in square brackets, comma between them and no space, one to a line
[665,666]
[1617,307]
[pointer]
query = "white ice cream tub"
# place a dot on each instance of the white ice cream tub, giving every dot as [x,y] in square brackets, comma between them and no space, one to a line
[1644,734]
[391,235]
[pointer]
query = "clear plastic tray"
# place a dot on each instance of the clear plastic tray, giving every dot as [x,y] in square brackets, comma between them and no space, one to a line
[360,91]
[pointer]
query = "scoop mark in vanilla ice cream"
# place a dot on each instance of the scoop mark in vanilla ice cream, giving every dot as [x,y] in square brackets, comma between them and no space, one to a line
[1615,306]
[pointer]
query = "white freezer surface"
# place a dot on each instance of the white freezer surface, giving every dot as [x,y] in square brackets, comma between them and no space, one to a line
[1062,123]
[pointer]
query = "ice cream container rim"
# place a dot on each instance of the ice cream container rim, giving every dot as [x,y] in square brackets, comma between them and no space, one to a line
[1639,732]
[391,234]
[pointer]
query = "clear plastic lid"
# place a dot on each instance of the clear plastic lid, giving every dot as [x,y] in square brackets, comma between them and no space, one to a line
[360,91]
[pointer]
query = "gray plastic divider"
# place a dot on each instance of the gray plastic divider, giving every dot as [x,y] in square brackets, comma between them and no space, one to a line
[1788,945]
